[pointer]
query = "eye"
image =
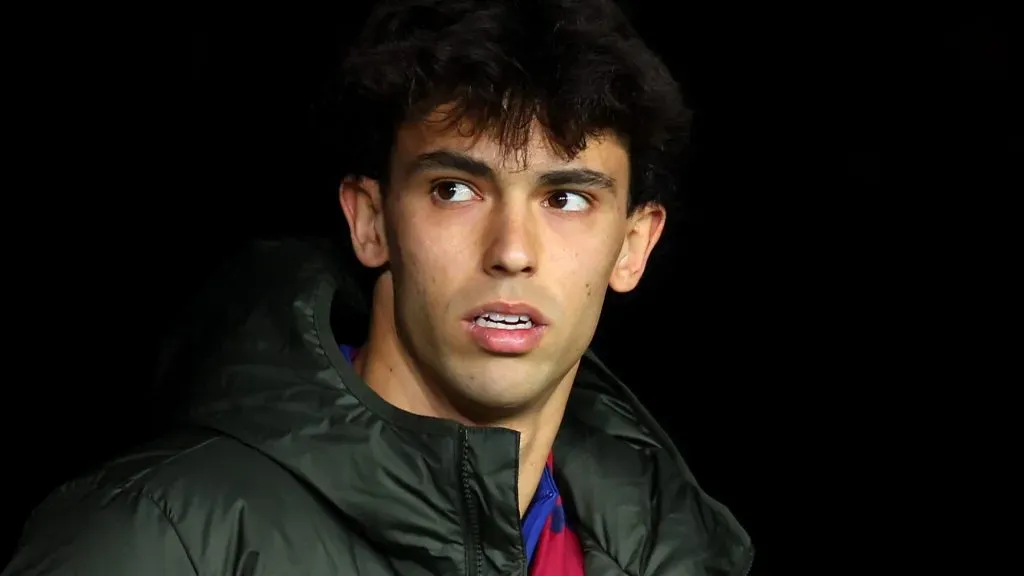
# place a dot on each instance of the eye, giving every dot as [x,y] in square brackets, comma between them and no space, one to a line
[450,191]
[568,201]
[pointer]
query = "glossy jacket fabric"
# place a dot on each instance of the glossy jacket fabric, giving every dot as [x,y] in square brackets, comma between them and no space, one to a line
[288,464]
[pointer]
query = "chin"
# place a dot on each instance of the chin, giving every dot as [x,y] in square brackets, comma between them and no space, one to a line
[501,387]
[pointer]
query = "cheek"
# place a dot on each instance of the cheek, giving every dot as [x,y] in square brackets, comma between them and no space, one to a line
[421,245]
[437,237]
[434,261]
[582,275]
[586,257]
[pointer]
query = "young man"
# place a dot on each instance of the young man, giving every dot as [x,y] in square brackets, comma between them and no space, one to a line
[508,163]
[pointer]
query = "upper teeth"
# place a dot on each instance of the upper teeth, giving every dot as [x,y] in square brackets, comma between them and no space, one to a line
[504,321]
[505,317]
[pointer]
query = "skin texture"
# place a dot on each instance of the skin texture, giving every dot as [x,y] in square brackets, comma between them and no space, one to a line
[457,235]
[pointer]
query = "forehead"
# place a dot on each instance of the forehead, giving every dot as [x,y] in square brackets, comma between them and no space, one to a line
[604,152]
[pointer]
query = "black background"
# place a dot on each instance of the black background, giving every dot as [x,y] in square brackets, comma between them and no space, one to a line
[785,296]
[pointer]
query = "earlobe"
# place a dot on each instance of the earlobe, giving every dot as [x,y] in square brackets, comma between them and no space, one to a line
[644,230]
[361,201]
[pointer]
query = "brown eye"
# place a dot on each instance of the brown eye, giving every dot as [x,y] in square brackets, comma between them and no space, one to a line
[452,192]
[568,201]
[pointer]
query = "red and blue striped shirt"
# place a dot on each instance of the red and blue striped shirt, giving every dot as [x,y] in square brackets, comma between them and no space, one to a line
[552,549]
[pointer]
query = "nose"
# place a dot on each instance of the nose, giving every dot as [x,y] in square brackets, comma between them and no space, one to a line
[511,242]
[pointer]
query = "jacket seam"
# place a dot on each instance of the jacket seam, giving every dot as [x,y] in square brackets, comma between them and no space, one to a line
[174,528]
[128,483]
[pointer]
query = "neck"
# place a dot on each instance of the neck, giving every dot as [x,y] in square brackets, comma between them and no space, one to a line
[390,371]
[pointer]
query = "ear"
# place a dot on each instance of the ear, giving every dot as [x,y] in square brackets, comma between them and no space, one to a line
[643,229]
[363,205]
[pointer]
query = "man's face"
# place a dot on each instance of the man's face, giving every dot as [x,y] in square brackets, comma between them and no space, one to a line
[500,263]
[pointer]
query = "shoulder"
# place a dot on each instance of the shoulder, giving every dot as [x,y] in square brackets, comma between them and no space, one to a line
[108,521]
[174,503]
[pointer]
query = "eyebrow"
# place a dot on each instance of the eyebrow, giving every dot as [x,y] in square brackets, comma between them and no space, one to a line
[448,159]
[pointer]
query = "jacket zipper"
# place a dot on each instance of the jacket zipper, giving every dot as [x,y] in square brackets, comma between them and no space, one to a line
[474,563]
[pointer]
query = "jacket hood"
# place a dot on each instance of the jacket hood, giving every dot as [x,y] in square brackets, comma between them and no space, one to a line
[263,365]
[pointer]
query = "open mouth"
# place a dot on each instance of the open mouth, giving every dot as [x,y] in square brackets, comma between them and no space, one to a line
[506,328]
[504,321]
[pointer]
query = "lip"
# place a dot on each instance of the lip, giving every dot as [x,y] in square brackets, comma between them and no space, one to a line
[500,307]
[506,342]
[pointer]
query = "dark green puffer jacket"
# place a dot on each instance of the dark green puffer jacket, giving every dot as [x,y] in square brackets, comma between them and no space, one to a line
[290,465]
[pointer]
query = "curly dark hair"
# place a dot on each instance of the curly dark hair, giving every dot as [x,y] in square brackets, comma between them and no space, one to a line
[576,66]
